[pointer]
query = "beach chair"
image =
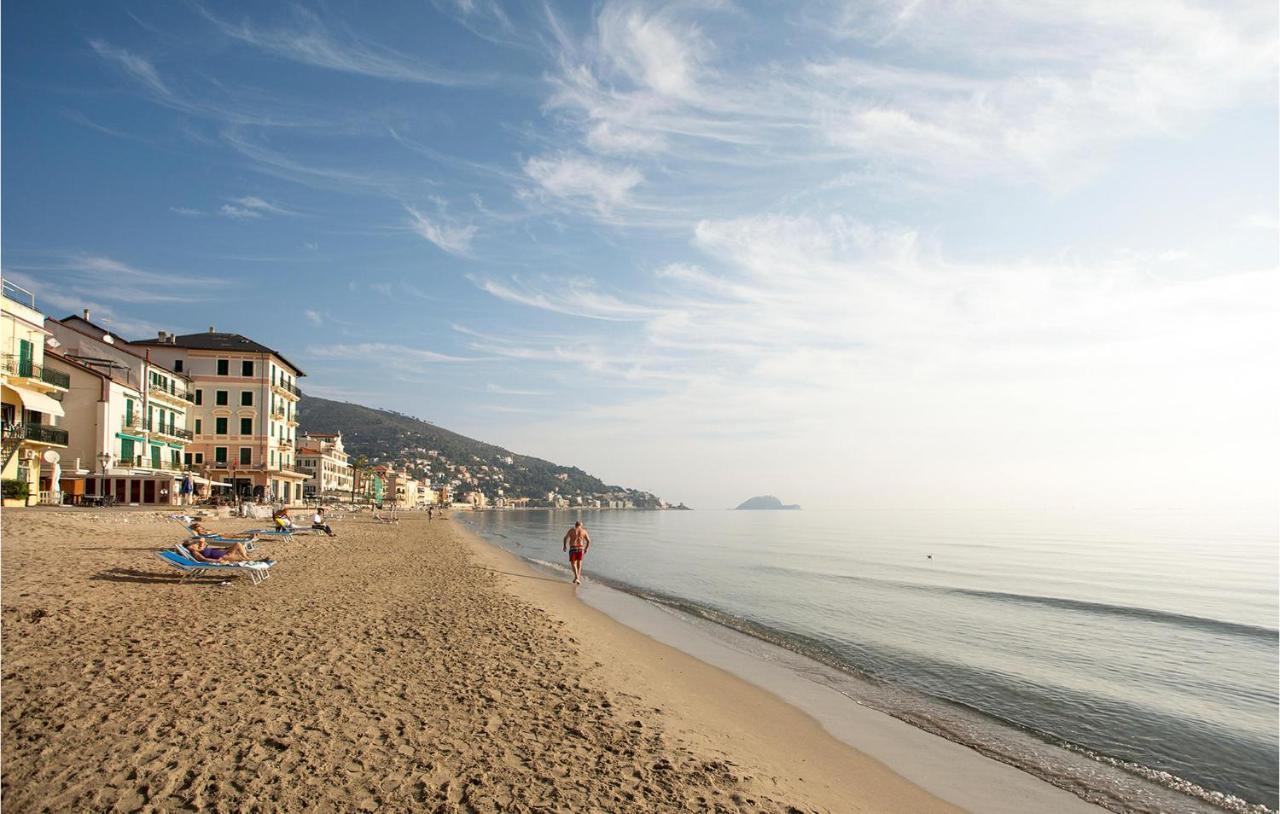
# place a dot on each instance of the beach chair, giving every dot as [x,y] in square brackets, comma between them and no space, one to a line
[256,571]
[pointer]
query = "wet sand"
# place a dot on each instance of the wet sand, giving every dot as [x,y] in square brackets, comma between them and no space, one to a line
[399,667]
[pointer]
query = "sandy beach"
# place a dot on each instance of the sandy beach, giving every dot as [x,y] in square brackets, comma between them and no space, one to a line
[397,667]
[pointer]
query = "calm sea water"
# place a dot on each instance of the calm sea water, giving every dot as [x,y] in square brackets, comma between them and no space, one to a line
[1131,658]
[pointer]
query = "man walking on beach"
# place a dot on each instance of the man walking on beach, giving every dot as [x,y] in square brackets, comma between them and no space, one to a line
[576,542]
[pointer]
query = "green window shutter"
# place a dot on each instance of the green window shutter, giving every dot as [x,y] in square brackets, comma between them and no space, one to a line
[126,449]
[155,456]
[128,411]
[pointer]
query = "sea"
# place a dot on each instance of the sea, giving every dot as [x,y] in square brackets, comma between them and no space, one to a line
[1128,657]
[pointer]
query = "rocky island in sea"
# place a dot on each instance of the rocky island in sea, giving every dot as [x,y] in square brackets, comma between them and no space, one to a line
[767,502]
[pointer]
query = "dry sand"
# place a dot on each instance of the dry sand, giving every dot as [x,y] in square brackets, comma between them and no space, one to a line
[403,667]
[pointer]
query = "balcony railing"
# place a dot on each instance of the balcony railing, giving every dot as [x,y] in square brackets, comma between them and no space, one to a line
[289,388]
[185,395]
[174,432]
[26,369]
[143,462]
[40,433]
[134,422]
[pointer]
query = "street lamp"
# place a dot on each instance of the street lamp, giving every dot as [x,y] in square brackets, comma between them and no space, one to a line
[104,460]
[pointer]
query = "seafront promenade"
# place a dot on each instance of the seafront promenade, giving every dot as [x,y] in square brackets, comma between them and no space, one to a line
[394,667]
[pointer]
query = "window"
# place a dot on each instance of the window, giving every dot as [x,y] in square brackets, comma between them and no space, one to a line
[199,397]
[199,457]
[246,426]
[199,425]
[220,455]
[126,450]
[220,426]
[173,457]
[246,455]
[246,398]
[220,398]
[186,459]
[177,365]
[273,457]
[224,367]
[246,368]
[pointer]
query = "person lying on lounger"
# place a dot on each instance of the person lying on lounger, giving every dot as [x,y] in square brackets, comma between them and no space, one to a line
[201,531]
[201,551]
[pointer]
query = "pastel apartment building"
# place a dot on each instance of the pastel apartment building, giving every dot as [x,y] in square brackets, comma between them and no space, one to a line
[245,411]
[328,467]
[129,416]
[31,397]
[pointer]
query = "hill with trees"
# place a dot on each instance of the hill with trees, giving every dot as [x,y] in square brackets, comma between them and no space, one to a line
[441,457]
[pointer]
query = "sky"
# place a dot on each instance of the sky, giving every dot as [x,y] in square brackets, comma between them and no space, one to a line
[918,254]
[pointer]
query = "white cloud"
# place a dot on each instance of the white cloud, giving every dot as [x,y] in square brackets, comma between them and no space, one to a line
[384,353]
[1031,91]
[313,316]
[310,42]
[574,297]
[450,237]
[136,66]
[584,180]
[186,211]
[651,48]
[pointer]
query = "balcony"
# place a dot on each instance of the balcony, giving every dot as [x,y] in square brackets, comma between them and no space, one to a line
[289,389]
[171,392]
[143,462]
[133,422]
[174,432]
[39,433]
[26,369]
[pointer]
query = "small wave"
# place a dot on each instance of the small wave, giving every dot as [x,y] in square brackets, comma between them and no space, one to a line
[1062,603]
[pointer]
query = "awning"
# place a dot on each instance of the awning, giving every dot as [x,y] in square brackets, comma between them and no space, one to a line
[135,438]
[37,401]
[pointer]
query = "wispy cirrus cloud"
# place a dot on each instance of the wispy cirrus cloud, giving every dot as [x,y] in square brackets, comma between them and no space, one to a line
[83,274]
[385,352]
[309,41]
[584,182]
[251,206]
[579,298]
[450,237]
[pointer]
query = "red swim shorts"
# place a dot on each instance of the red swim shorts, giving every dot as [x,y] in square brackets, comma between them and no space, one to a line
[575,555]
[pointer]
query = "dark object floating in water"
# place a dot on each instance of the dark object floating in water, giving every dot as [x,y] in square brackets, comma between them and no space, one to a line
[767,502]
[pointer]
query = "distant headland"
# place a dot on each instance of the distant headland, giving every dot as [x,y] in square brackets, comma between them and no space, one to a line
[767,502]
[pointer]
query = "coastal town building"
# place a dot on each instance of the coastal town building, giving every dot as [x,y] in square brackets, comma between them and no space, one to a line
[131,416]
[328,467]
[30,403]
[244,411]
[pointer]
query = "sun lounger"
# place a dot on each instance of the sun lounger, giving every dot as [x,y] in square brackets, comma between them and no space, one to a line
[256,571]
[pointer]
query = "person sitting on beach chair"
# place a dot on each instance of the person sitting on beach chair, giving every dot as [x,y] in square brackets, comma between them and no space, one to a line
[201,551]
[282,519]
[318,524]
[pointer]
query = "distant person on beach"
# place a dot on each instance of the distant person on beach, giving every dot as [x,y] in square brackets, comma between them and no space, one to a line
[576,542]
[282,518]
[317,523]
[431,513]
[201,551]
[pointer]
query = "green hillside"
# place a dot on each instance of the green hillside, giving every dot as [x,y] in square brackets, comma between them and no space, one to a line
[384,436]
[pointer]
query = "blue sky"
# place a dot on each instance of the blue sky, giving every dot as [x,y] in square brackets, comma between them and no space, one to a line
[909,252]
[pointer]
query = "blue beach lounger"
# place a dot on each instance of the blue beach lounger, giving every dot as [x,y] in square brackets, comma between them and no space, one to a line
[256,571]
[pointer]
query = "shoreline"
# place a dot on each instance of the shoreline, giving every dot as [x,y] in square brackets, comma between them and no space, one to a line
[849,739]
